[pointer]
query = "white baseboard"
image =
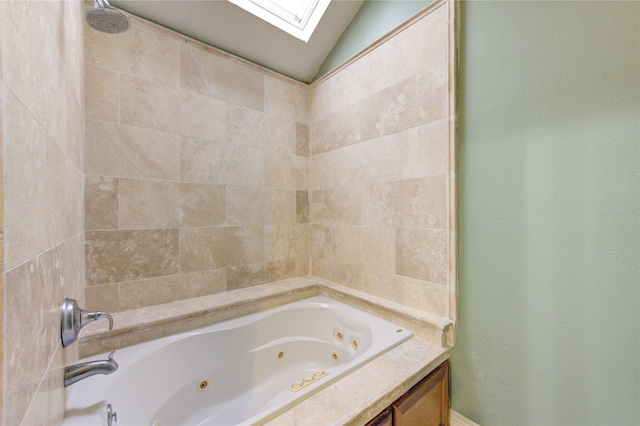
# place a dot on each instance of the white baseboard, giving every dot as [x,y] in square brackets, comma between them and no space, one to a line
[457,419]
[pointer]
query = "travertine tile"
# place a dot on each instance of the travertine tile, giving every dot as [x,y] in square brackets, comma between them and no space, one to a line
[162,204]
[73,28]
[356,81]
[302,139]
[116,256]
[256,129]
[253,206]
[341,128]
[346,275]
[207,73]
[419,99]
[322,171]
[302,206]
[342,206]
[104,297]
[220,163]
[47,406]
[416,203]
[321,99]
[320,244]
[375,160]
[422,254]
[286,99]
[56,392]
[73,143]
[358,397]
[157,107]
[123,151]
[286,242]
[141,51]
[303,266]
[155,291]
[423,295]
[65,196]
[101,202]
[36,286]
[42,141]
[383,204]
[251,275]
[433,33]
[213,248]
[33,40]
[367,247]
[102,89]
[25,183]
[425,202]
[424,150]
[375,132]
[286,171]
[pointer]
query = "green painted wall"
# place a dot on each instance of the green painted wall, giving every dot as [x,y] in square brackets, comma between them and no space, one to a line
[549,232]
[549,268]
[374,19]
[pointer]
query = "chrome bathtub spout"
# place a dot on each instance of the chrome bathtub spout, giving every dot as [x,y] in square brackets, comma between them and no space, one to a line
[77,372]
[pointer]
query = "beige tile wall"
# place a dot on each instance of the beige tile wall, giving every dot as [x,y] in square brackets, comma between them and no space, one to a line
[197,171]
[380,171]
[207,174]
[197,162]
[43,181]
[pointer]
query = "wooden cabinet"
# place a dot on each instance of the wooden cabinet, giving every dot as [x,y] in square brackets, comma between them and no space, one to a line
[425,404]
[383,419]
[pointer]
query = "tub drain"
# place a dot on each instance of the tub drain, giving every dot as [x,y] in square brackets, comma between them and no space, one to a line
[204,384]
[280,355]
[335,356]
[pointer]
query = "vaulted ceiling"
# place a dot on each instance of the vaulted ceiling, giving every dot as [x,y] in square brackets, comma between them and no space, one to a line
[224,25]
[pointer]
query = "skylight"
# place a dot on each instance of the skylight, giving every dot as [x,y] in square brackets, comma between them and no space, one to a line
[297,17]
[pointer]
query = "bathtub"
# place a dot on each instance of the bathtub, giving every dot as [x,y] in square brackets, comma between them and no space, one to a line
[246,370]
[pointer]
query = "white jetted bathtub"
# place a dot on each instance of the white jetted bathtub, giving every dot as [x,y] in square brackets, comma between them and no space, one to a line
[243,371]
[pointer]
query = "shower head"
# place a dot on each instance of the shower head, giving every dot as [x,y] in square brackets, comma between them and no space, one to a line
[107,19]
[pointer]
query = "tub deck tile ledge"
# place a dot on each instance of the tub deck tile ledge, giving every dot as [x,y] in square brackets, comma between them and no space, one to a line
[363,394]
[144,324]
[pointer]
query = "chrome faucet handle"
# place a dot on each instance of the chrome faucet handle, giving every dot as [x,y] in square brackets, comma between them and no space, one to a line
[112,416]
[87,317]
[73,318]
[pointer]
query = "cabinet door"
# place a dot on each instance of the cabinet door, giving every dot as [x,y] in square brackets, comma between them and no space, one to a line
[427,403]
